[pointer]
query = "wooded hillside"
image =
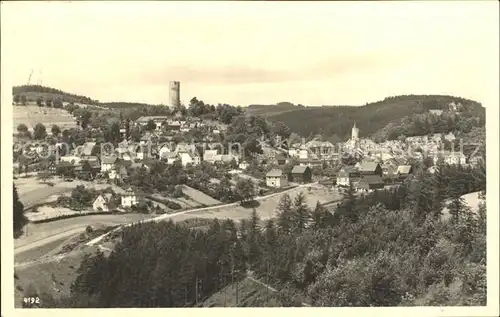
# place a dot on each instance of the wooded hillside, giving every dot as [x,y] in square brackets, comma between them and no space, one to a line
[338,120]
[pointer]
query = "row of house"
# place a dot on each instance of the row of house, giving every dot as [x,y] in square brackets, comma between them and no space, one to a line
[368,176]
[278,178]
[105,203]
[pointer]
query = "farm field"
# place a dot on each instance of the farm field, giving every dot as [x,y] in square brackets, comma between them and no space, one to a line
[32,114]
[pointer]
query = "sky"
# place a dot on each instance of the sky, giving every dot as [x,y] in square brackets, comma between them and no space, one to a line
[241,53]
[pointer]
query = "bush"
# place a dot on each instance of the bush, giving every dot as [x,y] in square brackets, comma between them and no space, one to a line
[173,205]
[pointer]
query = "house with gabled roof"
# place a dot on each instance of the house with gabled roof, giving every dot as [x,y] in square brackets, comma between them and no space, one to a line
[404,171]
[103,202]
[109,162]
[370,168]
[369,183]
[88,149]
[301,174]
[347,175]
[130,198]
[276,178]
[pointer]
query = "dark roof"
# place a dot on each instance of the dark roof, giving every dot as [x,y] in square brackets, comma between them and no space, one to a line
[299,169]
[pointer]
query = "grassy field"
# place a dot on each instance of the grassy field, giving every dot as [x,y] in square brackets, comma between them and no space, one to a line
[199,197]
[32,114]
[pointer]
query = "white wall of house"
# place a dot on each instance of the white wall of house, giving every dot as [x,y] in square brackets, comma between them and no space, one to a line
[100,202]
[129,200]
[106,167]
[277,182]
[343,181]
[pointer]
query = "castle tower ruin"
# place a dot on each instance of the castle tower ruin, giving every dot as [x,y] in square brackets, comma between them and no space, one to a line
[175,94]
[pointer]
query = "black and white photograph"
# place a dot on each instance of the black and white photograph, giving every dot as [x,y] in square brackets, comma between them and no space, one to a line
[244,154]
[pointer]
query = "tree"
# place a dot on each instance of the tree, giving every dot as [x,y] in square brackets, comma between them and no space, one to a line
[320,217]
[16,99]
[151,125]
[245,190]
[300,213]
[58,103]
[284,210]
[39,132]
[39,101]
[48,102]
[18,209]
[23,100]
[55,130]
[22,128]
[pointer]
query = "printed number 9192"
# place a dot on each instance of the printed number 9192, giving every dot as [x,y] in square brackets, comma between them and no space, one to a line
[31,300]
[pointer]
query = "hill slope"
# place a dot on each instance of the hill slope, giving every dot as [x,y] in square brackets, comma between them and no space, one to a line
[32,92]
[338,120]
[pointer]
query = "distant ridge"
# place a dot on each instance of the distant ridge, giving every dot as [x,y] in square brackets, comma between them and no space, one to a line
[371,117]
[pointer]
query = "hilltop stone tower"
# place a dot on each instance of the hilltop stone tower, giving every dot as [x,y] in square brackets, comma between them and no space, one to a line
[175,94]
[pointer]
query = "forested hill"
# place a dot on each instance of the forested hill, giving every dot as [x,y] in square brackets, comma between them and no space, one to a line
[33,92]
[338,120]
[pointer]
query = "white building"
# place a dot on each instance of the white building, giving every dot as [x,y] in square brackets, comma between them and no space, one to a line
[276,178]
[102,202]
[130,198]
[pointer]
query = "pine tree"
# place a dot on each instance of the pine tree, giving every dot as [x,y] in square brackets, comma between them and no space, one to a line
[284,211]
[420,198]
[320,217]
[18,218]
[300,213]
[439,193]
[254,251]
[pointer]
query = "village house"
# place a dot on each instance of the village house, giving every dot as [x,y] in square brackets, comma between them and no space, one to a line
[404,171]
[347,175]
[191,157]
[456,158]
[370,168]
[243,165]
[476,160]
[369,183]
[71,159]
[276,178]
[158,120]
[301,174]
[108,163]
[130,198]
[279,159]
[103,203]
[165,148]
[118,172]
[210,156]
[450,137]
[88,149]
[170,157]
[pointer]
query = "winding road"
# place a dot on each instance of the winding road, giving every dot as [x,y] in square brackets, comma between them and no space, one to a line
[71,228]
